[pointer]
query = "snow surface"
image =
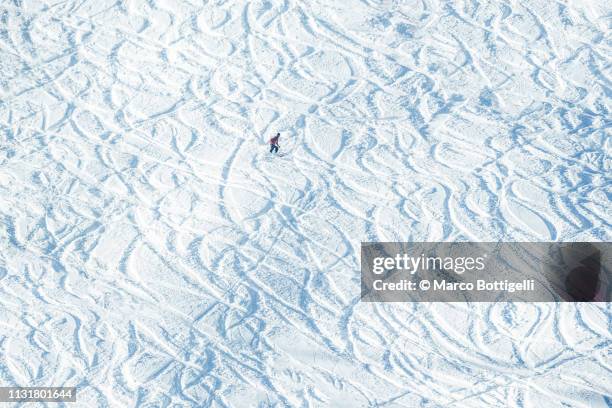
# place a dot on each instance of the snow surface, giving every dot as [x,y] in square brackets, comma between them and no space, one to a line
[152,253]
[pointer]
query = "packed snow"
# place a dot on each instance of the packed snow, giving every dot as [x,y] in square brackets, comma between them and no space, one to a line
[153,253]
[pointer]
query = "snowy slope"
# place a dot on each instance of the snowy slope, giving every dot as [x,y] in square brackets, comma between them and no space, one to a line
[152,253]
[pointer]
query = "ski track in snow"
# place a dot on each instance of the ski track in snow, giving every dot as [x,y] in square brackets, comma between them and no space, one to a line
[154,254]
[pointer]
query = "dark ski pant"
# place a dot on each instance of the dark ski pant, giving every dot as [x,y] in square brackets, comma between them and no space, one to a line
[273,148]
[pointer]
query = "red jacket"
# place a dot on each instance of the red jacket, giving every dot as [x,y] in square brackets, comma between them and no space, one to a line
[274,140]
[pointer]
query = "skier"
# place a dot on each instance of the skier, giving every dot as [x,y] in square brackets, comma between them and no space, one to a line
[274,144]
